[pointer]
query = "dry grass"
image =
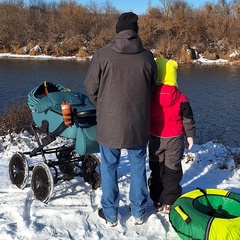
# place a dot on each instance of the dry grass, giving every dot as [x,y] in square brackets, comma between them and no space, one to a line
[16,117]
[65,29]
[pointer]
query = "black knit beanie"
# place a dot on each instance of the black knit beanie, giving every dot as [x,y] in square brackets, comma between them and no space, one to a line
[127,21]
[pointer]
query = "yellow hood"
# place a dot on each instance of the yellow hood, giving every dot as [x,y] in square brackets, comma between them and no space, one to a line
[167,72]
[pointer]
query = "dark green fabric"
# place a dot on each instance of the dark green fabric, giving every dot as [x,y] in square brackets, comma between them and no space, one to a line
[37,94]
[56,98]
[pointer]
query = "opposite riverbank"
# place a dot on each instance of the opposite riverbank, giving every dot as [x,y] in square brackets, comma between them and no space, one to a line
[200,60]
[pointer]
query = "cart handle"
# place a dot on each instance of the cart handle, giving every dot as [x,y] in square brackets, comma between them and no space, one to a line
[85,113]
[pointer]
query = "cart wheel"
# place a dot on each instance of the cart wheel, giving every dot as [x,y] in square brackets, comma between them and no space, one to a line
[97,164]
[18,170]
[97,180]
[96,173]
[42,182]
[91,171]
[68,168]
[92,163]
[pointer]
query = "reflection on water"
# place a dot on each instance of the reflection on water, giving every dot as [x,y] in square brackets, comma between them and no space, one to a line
[213,91]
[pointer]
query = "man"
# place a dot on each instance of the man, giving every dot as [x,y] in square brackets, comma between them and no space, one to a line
[119,82]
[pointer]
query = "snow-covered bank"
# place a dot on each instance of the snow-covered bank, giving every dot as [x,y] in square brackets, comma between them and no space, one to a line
[203,60]
[41,57]
[200,60]
[72,211]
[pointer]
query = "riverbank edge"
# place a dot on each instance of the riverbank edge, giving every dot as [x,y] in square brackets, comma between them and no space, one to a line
[201,60]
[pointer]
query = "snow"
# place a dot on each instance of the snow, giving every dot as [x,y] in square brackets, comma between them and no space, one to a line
[200,60]
[234,53]
[71,212]
[40,57]
[203,60]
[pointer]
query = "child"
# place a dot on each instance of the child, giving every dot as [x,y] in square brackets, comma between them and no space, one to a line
[171,120]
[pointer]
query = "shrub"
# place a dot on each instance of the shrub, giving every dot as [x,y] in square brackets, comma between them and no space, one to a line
[16,117]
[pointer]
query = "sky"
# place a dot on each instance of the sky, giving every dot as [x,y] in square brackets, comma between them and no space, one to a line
[141,6]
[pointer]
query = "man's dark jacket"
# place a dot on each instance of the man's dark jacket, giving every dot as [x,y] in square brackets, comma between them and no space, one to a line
[119,82]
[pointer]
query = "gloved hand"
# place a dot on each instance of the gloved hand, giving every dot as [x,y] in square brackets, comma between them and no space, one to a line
[190,142]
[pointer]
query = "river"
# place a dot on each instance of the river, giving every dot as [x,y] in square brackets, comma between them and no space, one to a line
[212,90]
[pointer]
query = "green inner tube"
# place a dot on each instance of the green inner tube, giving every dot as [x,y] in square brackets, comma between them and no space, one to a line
[207,215]
[220,206]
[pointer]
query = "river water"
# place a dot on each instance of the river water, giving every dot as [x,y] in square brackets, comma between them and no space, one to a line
[213,91]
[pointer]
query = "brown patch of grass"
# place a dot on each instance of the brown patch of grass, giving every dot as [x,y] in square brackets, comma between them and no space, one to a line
[16,117]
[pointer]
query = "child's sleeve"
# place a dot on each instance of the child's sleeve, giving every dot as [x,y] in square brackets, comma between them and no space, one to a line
[188,119]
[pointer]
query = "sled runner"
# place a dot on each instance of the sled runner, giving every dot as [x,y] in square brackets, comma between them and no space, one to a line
[56,111]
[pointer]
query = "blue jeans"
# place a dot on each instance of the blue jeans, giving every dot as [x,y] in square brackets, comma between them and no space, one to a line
[138,194]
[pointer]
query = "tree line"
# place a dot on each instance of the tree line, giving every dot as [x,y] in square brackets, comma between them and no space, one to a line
[68,28]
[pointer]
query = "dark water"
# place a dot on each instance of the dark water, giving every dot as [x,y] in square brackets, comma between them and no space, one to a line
[19,76]
[213,91]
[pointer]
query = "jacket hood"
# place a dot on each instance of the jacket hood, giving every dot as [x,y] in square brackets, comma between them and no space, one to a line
[127,41]
[169,95]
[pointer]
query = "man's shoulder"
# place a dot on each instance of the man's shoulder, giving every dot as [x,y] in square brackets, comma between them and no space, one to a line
[103,50]
[148,53]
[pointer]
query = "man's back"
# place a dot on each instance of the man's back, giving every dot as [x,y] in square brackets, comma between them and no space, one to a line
[124,74]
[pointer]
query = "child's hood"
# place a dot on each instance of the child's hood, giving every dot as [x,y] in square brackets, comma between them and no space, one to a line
[168,95]
[167,72]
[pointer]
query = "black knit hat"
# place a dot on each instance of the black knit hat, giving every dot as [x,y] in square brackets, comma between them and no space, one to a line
[127,21]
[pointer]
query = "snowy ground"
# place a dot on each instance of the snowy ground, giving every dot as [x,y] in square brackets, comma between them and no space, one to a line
[71,212]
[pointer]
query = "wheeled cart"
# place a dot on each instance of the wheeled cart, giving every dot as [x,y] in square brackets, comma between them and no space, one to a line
[75,159]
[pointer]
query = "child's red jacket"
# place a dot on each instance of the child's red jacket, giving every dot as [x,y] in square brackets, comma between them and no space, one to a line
[171,113]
